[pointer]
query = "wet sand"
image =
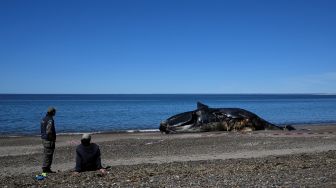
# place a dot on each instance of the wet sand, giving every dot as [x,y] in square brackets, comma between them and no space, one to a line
[305,157]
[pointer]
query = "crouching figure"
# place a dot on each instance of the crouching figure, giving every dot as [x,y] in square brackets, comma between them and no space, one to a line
[88,156]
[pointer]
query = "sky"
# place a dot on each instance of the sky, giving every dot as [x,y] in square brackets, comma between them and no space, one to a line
[167,46]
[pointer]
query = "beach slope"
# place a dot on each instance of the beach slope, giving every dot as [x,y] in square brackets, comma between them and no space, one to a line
[305,157]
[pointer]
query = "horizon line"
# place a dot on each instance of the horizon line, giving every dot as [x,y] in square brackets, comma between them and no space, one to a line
[168,93]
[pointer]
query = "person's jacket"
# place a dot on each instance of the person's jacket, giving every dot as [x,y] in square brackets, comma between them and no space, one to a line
[88,158]
[48,131]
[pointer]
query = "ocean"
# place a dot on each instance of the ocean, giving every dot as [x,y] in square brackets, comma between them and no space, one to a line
[21,114]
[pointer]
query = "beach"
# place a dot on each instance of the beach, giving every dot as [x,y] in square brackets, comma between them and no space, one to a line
[305,157]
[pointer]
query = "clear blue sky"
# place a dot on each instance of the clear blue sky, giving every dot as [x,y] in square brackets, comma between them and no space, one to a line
[167,46]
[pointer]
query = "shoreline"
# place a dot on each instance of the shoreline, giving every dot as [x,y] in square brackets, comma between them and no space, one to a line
[9,135]
[155,160]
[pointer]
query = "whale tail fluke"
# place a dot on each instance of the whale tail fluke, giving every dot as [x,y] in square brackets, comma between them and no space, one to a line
[201,106]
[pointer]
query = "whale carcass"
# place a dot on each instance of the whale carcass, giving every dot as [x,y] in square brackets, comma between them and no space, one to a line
[205,118]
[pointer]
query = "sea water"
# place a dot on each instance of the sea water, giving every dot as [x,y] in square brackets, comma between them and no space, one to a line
[21,114]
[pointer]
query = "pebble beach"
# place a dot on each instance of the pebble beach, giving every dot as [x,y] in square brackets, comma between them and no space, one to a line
[301,158]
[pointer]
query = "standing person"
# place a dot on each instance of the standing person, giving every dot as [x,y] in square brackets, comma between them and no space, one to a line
[48,135]
[88,156]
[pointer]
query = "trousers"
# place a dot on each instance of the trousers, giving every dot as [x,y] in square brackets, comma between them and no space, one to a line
[48,153]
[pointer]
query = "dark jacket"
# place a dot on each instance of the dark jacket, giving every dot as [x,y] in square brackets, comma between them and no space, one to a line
[48,131]
[88,158]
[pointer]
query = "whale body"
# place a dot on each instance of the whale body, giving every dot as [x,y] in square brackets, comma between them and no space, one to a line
[205,118]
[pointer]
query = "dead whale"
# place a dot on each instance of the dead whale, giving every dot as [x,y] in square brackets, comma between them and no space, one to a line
[217,119]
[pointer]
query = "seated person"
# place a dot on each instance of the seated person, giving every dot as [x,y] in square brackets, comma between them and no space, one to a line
[88,156]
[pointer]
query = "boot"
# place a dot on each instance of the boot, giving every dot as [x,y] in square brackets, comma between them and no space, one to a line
[47,170]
